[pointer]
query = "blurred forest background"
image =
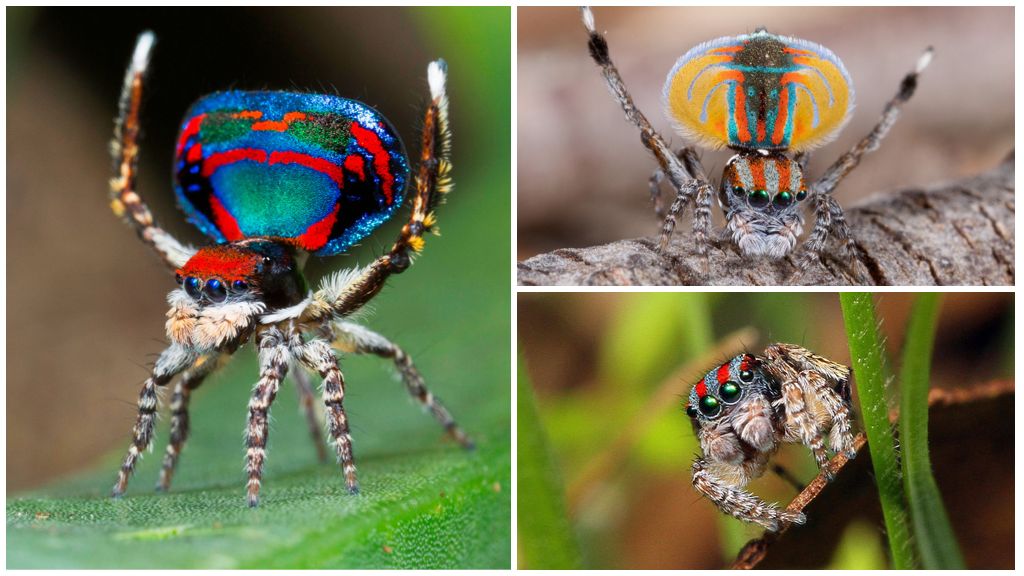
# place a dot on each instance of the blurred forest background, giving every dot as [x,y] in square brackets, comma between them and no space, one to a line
[596,361]
[582,175]
[88,299]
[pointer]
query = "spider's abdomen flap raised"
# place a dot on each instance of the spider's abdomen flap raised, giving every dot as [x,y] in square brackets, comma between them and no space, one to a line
[759,91]
[321,171]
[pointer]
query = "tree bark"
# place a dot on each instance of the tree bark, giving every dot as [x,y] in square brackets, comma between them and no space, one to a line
[957,233]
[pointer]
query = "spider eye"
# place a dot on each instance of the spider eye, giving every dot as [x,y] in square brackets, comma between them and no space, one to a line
[730,391]
[746,375]
[801,195]
[758,198]
[691,411]
[710,406]
[783,199]
[215,290]
[193,287]
[739,191]
[178,278]
[239,286]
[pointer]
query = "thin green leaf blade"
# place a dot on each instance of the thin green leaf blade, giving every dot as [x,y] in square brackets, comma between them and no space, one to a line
[933,533]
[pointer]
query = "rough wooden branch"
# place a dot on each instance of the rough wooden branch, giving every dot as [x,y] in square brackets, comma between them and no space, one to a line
[957,233]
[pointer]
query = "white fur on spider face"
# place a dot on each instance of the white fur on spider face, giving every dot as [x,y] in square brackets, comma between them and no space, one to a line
[206,326]
[758,235]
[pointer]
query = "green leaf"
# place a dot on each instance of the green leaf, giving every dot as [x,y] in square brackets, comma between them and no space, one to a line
[866,353]
[545,535]
[933,533]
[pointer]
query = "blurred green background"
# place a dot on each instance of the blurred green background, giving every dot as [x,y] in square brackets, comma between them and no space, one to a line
[88,299]
[598,363]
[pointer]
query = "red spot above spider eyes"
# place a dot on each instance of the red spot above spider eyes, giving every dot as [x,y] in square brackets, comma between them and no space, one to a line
[226,262]
[723,373]
[702,389]
[746,362]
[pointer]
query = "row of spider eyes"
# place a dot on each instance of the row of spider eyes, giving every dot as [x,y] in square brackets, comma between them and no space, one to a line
[761,198]
[710,406]
[214,288]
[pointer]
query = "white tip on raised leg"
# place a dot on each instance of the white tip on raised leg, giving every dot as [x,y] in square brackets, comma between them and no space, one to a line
[924,60]
[437,76]
[143,47]
[588,18]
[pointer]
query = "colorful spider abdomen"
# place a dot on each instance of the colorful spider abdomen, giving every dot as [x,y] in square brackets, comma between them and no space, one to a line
[320,172]
[765,180]
[759,91]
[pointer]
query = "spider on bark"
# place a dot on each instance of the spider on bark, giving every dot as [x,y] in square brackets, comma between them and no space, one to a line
[764,96]
[273,177]
[746,407]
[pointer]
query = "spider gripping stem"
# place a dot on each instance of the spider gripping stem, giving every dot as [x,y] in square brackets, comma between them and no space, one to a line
[125,201]
[688,180]
[432,182]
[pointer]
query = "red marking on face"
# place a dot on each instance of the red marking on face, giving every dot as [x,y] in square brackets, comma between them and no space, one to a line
[227,262]
[757,171]
[723,373]
[369,140]
[702,389]
[191,129]
[745,363]
[783,168]
[319,232]
[225,222]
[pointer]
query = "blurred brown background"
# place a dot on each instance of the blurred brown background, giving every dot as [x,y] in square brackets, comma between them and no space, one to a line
[582,172]
[87,299]
[595,360]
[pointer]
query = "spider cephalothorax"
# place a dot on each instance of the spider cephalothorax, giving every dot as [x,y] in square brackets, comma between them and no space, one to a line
[746,407]
[273,177]
[764,96]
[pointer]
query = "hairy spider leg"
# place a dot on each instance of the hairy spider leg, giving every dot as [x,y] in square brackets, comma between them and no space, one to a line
[171,362]
[360,340]
[740,503]
[845,164]
[274,355]
[125,201]
[685,184]
[189,381]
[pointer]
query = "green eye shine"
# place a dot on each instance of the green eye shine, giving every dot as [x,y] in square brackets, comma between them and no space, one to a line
[730,391]
[746,375]
[710,406]
[758,198]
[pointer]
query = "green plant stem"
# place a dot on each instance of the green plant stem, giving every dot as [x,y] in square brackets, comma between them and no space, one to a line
[866,354]
[546,540]
[933,533]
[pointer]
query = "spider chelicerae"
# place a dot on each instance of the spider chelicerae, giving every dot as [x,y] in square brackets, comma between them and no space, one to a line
[273,177]
[764,96]
[744,409]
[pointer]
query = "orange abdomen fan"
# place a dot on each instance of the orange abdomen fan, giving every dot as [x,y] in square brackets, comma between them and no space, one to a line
[759,91]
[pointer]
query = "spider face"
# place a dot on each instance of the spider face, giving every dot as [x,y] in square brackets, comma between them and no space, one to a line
[746,407]
[244,270]
[762,195]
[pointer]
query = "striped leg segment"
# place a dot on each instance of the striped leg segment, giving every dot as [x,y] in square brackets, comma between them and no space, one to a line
[740,503]
[307,403]
[189,381]
[274,357]
[670,164]
[360,340]
[432,182]
[171,362]
[318,356]
[125,201]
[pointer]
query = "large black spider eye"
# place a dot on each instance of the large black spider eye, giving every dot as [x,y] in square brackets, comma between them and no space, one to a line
[215,290]
[730,392]
[710,406]
[691,411]
[783,199]
[746,375]
[739,191]
[239,286]
[178,278]
[801,195]
[193,287]
[758,198]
